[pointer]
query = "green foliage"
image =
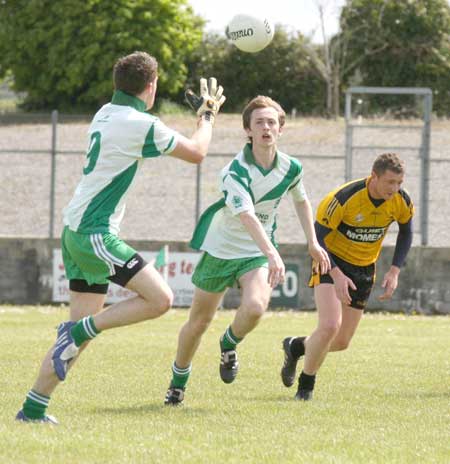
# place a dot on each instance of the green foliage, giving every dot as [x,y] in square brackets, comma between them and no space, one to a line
[164,107]
[384,400]
[281,71]
[8,100]
[400,43]
[62,52]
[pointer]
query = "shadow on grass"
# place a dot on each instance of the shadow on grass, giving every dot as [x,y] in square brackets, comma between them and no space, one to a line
[160,408]
[185,409]
[268,398]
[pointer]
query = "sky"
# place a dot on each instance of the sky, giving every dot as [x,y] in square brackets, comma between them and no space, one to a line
[295,15]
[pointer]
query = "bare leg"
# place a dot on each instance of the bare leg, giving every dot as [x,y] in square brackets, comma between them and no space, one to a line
[329,313]
[256,294]
[154,299]
[350,322]
[81,305]
[336,327]
[204,306]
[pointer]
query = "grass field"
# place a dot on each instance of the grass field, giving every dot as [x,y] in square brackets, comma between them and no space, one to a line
[385,400]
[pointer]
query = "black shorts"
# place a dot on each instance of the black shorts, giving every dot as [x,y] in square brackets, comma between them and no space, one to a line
[121,277]
[362,276]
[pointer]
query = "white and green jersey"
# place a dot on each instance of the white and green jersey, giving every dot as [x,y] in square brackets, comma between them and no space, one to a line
[122,135]
[247,187]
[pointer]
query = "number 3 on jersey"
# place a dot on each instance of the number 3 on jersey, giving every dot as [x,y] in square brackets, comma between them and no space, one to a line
[94,151]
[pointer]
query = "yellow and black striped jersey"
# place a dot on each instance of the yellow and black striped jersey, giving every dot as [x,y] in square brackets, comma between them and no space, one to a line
[359,223]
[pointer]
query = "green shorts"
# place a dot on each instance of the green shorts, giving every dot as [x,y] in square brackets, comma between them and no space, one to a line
[215,275]
[93,257]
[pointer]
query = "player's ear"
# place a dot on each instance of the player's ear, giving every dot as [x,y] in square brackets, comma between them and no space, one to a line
[153,84]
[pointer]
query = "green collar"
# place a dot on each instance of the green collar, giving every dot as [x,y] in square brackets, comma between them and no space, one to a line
[250,159]
[124,99]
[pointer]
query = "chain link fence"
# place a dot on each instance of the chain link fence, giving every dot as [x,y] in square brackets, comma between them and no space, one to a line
[41,160]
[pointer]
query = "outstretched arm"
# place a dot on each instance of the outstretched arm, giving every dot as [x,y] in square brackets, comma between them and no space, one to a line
[194,149]
[207,105]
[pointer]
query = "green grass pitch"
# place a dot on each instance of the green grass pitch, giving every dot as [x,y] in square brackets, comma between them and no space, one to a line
[384,400]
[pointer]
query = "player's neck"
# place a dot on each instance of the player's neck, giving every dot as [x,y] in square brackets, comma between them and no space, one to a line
[373,192]
[264,156]
[370,187]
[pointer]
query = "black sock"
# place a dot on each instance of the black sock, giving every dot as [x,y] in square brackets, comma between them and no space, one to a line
[297,347]
[306,382]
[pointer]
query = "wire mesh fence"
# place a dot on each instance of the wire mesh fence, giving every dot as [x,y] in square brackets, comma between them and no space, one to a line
[41,164]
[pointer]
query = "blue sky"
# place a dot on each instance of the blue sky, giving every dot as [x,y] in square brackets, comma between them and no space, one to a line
[296,15]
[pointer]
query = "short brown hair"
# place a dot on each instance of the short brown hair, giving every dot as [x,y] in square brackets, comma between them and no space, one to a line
[133,72]
[262,101]
[388,162]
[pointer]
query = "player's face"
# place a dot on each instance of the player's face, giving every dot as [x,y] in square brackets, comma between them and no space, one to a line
[264,126]
[386,185]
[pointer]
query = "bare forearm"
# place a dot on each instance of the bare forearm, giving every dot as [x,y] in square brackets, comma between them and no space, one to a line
[194,149]
[305,215]
[202,135]
[275,263]
[258,234]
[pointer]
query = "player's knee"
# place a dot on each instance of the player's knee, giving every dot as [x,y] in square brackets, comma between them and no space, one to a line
[163,303]
[199,326]
[330,328]
[341,344]
[255,308]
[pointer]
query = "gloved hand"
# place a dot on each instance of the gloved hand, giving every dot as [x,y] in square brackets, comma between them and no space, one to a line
[206,105]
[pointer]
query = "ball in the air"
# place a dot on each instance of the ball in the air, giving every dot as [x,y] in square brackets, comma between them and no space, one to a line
[250,33]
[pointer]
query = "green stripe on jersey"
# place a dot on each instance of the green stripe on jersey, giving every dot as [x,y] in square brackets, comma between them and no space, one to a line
[240,170]
[294,170]
[150,150]
[241,182]
[169,145]
[102,206]
[204,223]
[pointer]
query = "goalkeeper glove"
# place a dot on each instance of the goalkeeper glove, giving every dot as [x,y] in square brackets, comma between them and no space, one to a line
[206,105]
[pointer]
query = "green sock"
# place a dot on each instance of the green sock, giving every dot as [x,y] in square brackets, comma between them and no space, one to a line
[35,405]
[229,340]
[180,376]
[84,330]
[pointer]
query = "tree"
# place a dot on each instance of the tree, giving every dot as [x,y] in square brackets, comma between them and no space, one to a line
[281,70]
[332,60]
[401,42]
[325,63]
[61,52]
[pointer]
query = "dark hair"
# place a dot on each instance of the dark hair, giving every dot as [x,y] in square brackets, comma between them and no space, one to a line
[262,102]
[133,72]
[388,162]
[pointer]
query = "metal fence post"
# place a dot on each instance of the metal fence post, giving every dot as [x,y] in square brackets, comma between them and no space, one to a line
[348,136]
[53,172]
[425,169]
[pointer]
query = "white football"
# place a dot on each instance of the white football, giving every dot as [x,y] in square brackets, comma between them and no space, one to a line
[250,33]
